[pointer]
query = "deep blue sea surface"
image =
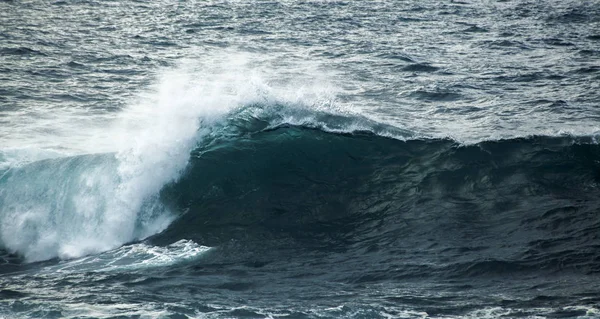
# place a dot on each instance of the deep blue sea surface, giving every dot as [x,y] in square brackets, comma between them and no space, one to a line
[300,159]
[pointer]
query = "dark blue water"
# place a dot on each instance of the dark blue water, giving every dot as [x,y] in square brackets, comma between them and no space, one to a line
[299,159]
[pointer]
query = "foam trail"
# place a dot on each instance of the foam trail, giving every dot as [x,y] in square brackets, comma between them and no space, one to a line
[132,257]
[75,206]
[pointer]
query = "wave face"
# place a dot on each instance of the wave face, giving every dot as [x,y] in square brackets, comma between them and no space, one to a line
[443,208]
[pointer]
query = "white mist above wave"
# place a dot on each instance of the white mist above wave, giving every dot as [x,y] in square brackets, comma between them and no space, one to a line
[68,207]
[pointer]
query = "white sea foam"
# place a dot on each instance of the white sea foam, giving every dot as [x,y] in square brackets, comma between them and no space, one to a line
[75,206]
[133,257]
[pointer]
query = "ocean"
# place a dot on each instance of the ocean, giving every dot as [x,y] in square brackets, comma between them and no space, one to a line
[299,159]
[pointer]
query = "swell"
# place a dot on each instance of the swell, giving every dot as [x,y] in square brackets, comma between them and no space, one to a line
[405,208]
[268,178]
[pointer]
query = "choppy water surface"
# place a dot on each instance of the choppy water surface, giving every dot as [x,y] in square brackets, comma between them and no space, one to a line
[324,159]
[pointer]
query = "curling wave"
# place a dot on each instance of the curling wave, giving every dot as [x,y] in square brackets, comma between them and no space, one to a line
[435,206]
[272,170]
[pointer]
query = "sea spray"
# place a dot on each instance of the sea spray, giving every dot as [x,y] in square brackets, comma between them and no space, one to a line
[68,207]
